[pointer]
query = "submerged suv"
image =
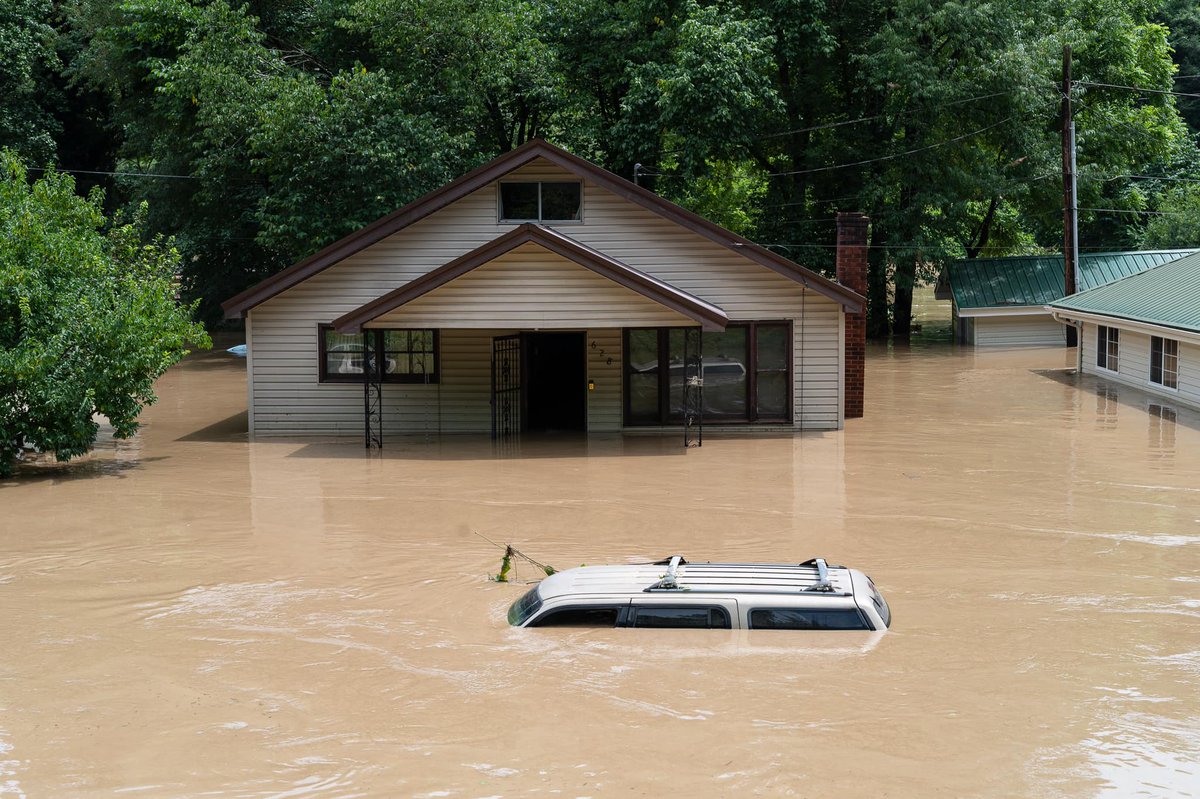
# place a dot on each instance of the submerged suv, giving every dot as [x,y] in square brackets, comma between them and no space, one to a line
[674,593]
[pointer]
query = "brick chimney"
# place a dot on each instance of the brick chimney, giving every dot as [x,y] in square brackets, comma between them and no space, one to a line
[852,273]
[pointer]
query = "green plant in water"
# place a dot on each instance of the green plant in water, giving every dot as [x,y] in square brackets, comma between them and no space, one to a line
[505,566]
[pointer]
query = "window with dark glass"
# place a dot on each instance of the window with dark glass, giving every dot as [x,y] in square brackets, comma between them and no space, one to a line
[546,201]
[704,618]
[579,617]
[409,356]
[1164,361]
[807,619]
[746,370]
[1108,340]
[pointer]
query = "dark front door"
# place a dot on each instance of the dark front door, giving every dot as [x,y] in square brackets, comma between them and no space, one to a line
[555,381]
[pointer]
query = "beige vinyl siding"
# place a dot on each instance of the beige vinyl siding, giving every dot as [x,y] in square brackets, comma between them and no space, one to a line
[816,363]
[605,411]
[531,287]
[1133,364]
[287,399]
[1019,331]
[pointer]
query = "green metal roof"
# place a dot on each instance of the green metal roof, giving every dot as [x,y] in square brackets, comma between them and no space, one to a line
[1167,295]
[1025,280]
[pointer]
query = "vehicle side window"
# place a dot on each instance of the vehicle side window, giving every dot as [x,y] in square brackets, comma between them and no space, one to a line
[579,617]
[698,617]
[807,619]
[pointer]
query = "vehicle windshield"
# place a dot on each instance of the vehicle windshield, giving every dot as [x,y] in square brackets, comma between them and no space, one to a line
[885,612]
[524,607]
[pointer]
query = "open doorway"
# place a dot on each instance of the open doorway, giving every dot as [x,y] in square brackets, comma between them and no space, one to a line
[555,382]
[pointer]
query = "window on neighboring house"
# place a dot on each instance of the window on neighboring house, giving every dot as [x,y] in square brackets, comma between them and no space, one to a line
[536,201]
[747,374]
[1107,347]
[409,356]
[1164,361]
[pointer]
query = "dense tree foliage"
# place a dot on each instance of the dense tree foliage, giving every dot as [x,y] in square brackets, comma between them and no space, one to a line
[285,124]
[88,316]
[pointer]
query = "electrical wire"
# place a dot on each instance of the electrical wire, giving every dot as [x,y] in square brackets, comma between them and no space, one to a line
[1135,89]
[1135,211]
[113,174]
[892,156]
[1138,177]
[878,116]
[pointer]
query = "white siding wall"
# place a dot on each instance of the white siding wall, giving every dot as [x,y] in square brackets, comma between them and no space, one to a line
[1133,363]
[1019,331]
[531,287]
[287,399]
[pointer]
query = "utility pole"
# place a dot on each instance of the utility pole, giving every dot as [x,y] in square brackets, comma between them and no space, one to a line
[1070,202]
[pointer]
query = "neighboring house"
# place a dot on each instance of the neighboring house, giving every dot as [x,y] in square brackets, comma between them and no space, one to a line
[540,292]
[1001,302]
[1143,330]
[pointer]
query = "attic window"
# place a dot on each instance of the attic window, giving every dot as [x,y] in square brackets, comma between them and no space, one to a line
[535,201]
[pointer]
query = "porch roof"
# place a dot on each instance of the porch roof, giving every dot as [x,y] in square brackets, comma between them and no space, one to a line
[709,316]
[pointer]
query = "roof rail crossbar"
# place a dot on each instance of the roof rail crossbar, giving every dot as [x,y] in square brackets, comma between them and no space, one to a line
[669,580]
[822,584]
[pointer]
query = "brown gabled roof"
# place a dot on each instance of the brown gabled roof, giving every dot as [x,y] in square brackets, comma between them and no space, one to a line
[708,315]
[480,177]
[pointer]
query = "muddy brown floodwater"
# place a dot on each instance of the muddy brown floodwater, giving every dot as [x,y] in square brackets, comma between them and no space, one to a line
[190,615]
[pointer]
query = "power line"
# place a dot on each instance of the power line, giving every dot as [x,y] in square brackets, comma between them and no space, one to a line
[114,174]
[1135,211]
[1136,89]
[892,156]
[135,174]
[858,120]
[1139,177]
[829,125]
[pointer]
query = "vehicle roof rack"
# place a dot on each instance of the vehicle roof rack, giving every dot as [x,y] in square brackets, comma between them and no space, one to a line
[822,584]
[765,578]
[668,580]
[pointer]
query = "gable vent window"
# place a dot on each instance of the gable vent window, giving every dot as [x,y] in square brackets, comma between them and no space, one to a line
[541,202]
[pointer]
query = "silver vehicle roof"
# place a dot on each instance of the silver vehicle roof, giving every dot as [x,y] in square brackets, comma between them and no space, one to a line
[725,578]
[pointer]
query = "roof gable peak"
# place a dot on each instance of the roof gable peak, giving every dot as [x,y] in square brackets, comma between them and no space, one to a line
[497,168]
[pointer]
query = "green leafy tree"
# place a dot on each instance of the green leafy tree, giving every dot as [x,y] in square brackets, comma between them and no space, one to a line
[1182,18]
[1176,222]
[27,41]
[88,317]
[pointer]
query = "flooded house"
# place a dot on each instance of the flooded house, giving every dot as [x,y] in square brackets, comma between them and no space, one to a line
[1001,302]
[1142,330]
[540,292]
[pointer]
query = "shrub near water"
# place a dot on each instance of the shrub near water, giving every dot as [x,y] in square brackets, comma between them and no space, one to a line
[88,317]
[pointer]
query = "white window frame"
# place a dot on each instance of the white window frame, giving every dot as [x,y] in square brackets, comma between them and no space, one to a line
[1162,364]
[1106,335]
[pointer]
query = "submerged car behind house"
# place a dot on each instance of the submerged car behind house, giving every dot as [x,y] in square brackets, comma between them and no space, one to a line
[674,593]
